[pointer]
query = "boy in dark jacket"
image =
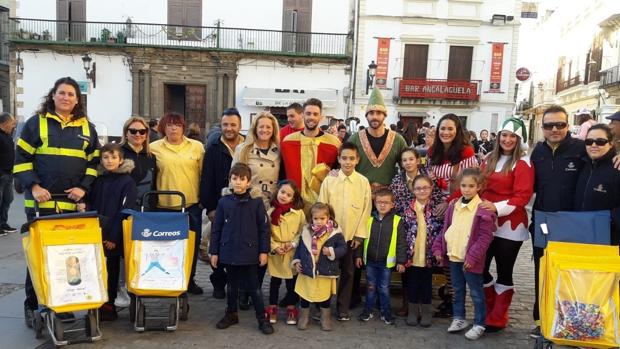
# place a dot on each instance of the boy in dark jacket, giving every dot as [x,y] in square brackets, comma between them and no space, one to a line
[113,191]
[385,247]
[240,242]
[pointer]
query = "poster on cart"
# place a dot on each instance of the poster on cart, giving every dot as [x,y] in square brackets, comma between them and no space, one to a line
[161,265]
[74,274]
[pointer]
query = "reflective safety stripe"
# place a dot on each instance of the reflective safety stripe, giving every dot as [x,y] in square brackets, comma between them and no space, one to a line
[93,155]
[27,166]
[25,146]
[61,151]
[85,133]
[43,130]
[52,204]
[91,172]
[391,257]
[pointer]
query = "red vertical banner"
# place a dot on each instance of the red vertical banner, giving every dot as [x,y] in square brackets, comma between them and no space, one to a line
[497,60]
[383,58]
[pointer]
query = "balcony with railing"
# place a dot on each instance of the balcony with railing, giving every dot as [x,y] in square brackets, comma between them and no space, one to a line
[610,77]
[566,84]
[217,38]
[440,91]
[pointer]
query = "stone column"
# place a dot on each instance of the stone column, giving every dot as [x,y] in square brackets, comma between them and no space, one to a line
[135,92]
[147,94]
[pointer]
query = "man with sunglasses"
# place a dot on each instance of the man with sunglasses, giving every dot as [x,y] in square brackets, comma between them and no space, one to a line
[557,160]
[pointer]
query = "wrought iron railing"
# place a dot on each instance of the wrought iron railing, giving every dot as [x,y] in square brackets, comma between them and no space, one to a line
[566,84]
[610,77]
[180,36]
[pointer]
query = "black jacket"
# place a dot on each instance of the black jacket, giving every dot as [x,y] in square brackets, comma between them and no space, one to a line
[556,174]
[64,158]
[326,266]
[113,192]
[598,188]
[379,238]
[7,153]
[214,177]
[144,172]
[241,230]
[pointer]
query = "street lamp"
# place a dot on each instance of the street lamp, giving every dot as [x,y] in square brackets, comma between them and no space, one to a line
[370,75]
[90,73]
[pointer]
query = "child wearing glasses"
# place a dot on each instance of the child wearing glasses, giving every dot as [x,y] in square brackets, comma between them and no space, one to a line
[384,249]
[423,226]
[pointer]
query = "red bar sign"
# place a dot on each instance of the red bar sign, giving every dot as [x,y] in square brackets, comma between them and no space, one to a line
[497,60]
[439,89]
[383,58]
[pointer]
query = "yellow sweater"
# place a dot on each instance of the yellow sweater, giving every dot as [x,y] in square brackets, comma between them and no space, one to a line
[457,235]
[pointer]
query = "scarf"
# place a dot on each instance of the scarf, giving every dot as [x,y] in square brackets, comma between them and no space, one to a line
[318,232]
[278,210]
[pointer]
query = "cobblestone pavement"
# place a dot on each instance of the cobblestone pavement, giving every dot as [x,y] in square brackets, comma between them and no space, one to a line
[200,332]
[205,311]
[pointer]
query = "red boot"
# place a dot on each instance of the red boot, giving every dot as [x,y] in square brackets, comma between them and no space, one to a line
[489,297]
[498,317]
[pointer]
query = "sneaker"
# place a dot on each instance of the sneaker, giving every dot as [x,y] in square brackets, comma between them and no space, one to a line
[535,332]
[271,314]
[265,327]
[291,316]
[457,325]
[7,228]
[388,319]
[365,316]
[229,319]
[107,312]
[475,332]
[343,317]
[28,316]
[193,288]
[122,298]
[3,233]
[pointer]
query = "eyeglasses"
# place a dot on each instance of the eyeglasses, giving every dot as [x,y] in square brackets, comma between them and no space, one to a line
[421,188]
[599,141]
[558,125]
[133,131]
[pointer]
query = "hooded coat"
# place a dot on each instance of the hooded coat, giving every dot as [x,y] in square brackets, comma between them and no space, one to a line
[113,192]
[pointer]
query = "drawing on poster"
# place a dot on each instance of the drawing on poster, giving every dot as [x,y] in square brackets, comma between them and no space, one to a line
[75,274]
[161,264]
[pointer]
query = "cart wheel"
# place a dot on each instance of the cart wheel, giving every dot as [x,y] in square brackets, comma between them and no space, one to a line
[91,325]
[140,314]
[172,315]
[59,331]
[132,308]
[441,292]
[184,308]
[37,324]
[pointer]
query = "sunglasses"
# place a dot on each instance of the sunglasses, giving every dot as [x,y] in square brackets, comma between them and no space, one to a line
[599,141]
[133,131]
[558,125]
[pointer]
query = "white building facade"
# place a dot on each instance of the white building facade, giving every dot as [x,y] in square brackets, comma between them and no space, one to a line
[196,57]
[440,59]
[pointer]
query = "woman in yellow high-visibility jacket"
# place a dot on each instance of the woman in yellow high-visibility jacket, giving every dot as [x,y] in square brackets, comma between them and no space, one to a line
[56,153]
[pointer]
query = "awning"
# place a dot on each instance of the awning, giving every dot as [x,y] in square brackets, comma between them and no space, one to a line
[413,114]
[283,97]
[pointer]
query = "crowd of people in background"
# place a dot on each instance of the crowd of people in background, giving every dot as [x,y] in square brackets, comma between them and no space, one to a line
[313,205]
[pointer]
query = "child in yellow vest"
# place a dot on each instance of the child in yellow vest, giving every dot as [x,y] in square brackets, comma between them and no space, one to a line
[384,249]
[317,262]
[287,221]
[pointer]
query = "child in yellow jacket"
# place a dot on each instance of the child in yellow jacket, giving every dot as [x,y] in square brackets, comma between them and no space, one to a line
[287,221]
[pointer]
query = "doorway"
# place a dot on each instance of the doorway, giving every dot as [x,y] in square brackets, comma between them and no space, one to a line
[188,100]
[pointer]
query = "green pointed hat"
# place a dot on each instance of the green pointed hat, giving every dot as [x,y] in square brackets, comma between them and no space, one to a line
[375,102]
[516,126]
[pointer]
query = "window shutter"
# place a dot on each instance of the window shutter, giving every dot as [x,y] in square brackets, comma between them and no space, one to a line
[415,62]
[459,64]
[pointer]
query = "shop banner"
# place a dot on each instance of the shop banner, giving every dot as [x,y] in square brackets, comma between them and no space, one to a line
[497,60]
[383,58]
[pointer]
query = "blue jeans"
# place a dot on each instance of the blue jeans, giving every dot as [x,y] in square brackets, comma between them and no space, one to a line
[6,196]
[378,280]
[461,277]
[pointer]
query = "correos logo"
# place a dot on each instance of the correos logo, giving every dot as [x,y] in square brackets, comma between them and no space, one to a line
[147,233]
